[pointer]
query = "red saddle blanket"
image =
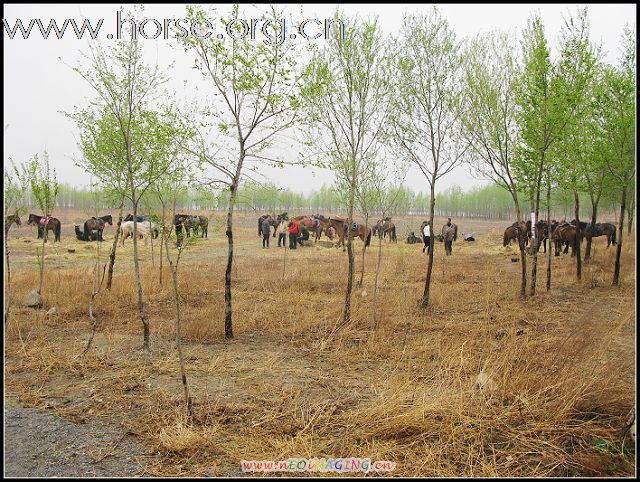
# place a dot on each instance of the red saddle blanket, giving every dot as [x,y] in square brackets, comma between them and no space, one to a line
[45,221]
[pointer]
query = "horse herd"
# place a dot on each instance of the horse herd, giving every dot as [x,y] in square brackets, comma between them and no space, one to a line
[560,233]
[332,227]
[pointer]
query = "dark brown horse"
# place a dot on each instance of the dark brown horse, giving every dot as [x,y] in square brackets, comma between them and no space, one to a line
[512,232]
[385,227]
[200,222]
[9,220]
[564,233]
[97,225]
[316,224]
[44,225]
[339,225]
[605,229]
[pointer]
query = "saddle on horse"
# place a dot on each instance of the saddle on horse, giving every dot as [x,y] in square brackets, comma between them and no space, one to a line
[45,220]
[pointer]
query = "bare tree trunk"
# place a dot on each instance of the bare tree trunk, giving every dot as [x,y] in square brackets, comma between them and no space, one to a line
[162,239]
[44,240]
[424,303]
[136,264]
[630,209]
[589,234]
[112,255]
[183,373]
[578,240]
[364,250]
[616,270]
[8,271]
[549,237]
[346,315]
[376,314]
[228,322]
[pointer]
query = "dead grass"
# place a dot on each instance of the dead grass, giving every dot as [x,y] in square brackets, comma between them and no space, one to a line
[561,365]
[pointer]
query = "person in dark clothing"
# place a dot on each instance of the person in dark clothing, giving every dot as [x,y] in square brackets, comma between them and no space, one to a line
[266,231]
[304,235]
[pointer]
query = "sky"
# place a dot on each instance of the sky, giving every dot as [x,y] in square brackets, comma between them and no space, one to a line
[40,85]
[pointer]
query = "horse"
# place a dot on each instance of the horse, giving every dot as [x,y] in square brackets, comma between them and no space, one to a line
[511,233]
[564,233]
[96,224]
[599,229]
[46,224]
[605,229]
[273,221]
[81,236]
[145,229]
[389,228]
[315,224]
[201,222]
[339,225]
[412,238]
[9,220]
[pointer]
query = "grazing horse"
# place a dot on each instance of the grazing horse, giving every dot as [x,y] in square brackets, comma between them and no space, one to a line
[96,224]
[605,229]
[145,229]
[46,224]
[9,220]
[80,234]
[387,227]
[511,233]
[564,233]
[203,222]
[358,230]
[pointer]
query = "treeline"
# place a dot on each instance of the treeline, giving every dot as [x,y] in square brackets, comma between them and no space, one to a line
[488,202]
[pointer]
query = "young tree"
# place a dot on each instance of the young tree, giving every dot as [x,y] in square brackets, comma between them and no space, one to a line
[430,101]
[616,110]
[15,186]
[255,84]
[490,74]
[573,147]
[44,187]
[124,84]
[538,120]
[348,111]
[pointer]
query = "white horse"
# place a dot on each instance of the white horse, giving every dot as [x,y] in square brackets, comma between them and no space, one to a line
[145,228]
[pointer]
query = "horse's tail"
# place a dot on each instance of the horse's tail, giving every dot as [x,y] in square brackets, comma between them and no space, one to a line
[368,238]
[259,227]
[394,238]
[87,232]
[505,239]
[57,231]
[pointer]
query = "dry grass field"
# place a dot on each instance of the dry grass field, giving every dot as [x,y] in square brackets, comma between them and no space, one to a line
[561,365]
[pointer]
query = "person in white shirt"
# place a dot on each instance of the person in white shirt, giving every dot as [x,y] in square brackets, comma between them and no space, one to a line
[426,237]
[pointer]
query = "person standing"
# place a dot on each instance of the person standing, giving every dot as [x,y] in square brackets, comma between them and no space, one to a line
[281,231]
[266,231]
[426,237]
[293,235]
[449,235]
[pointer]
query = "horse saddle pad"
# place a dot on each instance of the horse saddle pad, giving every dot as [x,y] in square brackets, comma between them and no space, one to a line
[45,221]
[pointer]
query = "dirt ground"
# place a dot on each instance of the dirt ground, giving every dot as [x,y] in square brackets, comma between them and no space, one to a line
[287,385]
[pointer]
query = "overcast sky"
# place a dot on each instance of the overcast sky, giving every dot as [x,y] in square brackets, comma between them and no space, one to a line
[39,84]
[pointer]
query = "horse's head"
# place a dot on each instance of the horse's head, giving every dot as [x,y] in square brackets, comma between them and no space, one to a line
[16,219]
[33,219]
[109,219]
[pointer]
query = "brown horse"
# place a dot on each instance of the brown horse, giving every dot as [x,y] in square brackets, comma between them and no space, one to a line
[385,227]
[564,233]
[96,224]
[339,225]
[511,233]
[9,220]
[316,224]
[44,225]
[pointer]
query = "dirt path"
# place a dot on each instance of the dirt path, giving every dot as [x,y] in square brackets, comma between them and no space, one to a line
[39,444]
